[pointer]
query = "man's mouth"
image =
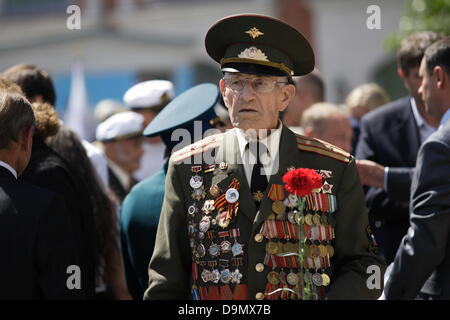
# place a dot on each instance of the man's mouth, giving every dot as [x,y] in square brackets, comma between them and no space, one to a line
[247,110]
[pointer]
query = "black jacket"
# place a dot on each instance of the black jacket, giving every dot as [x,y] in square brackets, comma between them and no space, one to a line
[423,259]
[49,170]
[390,136]
[36,242]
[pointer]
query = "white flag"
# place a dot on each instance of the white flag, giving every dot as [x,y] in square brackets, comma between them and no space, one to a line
[78,115]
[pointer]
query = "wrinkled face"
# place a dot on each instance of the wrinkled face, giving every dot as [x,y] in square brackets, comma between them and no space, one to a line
[126,153]
[255,101]
[338,132]
[427,91]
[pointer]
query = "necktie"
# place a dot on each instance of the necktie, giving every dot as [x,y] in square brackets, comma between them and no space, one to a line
[258,182]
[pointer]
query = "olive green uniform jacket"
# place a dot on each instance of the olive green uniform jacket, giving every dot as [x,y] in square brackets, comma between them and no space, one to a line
[170,269]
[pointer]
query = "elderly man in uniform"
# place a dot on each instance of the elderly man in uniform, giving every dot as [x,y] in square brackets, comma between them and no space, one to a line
[121,138]
[229,229]
[148,98]
[142,206]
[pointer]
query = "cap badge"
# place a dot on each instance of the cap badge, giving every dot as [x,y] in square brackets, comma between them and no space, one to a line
[254,33]
[253,53]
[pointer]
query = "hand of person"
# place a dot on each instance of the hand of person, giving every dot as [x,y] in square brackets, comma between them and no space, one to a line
[370,173]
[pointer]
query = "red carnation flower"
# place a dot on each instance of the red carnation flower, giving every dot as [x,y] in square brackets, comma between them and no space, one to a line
[302,181]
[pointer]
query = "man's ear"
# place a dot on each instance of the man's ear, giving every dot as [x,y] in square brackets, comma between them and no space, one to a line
[26,140]
[287,95]
[400,73]
[441,77]
[222,91]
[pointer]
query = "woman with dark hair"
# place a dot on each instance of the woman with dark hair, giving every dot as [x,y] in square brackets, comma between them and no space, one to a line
[109,274]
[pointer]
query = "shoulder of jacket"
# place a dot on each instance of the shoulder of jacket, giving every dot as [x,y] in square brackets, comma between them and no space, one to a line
[322,148]
[200,146]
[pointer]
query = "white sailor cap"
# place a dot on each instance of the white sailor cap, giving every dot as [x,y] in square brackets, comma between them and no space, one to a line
[123,125]
[153,94]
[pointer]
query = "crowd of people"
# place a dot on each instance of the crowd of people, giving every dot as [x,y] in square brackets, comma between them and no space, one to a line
[229,213]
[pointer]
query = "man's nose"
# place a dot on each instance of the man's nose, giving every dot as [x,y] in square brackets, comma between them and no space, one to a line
[247,92]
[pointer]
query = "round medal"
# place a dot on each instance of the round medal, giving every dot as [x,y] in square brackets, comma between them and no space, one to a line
[292,279]
[272,278]
[259,267]
[316,219]
[278,207]
[214,190]
[280,247]
[325,279]
[204,223]
[214,250]
[196,181]
[232,195]
[324,220]
[225,276]
[271,247]
[259,237]
[323,250]
[315,251]
[206,275]
[201,250]
[330,250]
[317,279]
[308,220]
[271,217]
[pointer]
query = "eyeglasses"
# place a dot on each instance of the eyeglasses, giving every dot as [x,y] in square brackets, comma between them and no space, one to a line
[260,85]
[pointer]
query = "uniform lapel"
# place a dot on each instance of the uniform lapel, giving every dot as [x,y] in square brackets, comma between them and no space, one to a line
[289,157]
[228,152]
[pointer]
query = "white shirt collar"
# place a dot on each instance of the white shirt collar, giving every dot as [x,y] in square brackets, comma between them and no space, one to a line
[419,120]
[9,168]
[445,118]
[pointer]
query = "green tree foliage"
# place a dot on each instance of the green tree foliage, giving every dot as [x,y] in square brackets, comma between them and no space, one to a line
[421,15]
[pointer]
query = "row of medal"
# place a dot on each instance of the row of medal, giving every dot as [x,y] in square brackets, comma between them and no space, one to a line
[282,229]
[216,261]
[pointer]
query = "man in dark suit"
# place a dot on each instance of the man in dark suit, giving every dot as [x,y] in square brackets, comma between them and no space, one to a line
[36,240]
[422,262]
[47,169]
[389,140]
[228,227]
